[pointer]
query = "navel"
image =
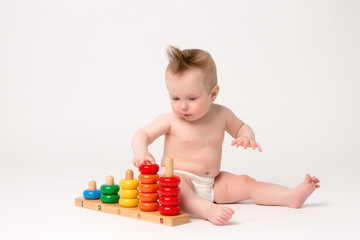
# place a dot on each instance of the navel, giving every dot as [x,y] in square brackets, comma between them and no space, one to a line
[207,173]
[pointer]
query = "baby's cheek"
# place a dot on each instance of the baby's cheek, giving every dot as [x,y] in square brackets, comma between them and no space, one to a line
[173,107]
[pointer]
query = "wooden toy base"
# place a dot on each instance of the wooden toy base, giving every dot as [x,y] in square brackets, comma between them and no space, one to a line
[135,212]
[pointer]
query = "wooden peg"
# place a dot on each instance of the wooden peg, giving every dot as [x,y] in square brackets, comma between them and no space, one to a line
[169,167]
[109,180]
[129,175]
[92,185]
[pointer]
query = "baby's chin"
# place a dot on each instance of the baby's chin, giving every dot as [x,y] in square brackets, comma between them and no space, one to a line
[189,117]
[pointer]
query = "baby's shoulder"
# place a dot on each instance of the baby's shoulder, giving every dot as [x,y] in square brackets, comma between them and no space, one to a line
[223,112]
[166,118]
[220,109]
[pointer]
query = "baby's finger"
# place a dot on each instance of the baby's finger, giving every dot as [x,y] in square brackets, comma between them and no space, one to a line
[236,143]
[246,144]
[140,162]
[149,160]
[146,162]
[315,180]
[259,147]
[253,145]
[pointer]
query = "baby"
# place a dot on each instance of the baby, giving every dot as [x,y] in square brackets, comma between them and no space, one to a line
[194,134]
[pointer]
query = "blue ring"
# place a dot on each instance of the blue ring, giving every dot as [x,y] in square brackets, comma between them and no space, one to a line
[91,194]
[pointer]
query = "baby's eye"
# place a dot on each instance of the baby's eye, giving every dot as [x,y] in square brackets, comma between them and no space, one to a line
[192,98]
[175,98]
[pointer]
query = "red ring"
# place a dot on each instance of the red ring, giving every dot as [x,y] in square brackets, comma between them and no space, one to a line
[169,191]
[149,168]
[169,181]
[169,211]
[169,201]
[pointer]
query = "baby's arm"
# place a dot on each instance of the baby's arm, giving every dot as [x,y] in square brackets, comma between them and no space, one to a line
[145,136]
[243,134]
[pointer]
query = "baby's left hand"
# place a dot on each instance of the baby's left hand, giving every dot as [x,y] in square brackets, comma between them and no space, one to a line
[246,142]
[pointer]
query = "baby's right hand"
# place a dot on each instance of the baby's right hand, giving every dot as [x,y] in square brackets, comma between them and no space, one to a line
[143,158]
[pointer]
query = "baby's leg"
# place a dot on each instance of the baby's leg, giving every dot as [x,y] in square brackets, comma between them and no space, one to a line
[232,188]
[193,204]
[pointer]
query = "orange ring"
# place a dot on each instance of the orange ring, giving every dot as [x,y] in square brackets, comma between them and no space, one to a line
[148,197]
[148,207]
[148,188]
[148,178]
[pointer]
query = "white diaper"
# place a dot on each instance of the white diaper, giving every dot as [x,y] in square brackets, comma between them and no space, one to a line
[204,186]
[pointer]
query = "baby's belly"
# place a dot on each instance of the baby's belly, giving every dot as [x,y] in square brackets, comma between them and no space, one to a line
[202,162]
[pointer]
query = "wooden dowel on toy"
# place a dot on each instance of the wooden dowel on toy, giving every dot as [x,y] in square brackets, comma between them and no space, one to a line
[169,167]
[92,185]
[129,174]
[109,180]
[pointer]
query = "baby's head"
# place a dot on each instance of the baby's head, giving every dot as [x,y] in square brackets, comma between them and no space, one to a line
[181,61]
[191,82]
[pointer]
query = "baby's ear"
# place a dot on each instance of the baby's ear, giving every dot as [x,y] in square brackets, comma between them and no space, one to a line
[214,93]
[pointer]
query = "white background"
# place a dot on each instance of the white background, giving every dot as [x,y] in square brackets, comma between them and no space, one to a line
[78,78]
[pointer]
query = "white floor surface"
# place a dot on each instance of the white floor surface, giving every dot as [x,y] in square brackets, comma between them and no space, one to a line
[38,203]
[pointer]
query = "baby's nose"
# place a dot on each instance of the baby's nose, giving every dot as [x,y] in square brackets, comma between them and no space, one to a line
[184,106]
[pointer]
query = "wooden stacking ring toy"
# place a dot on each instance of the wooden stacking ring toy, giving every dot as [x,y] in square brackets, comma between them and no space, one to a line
[169,190]
[148,187]
[92,193]
[148,178]
[128,202]
[169,210]
[148,206]
[129,183]
[129,191]
[148,168]
[109,188]
[148,197]
[169,181]
[109,191]
[169,201]
[109,198]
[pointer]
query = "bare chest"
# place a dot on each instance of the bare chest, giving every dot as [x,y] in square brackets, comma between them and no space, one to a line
[189,135]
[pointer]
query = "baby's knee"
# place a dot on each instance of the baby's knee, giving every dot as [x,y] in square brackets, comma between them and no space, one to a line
[245,179]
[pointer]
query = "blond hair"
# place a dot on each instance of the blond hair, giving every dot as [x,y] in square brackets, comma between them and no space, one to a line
[182,60]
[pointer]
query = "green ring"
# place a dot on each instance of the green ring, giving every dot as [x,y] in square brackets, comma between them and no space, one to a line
[109,198]
[109,189]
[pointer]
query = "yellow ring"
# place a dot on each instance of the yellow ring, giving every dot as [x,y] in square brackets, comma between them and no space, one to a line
[128,193]
[129,183]
[129,202]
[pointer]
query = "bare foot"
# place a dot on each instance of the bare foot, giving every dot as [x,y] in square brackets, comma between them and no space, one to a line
[303,191]
[218,215]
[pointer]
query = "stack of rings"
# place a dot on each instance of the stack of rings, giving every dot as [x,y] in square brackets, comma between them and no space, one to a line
[169,190]
[148,187]
[109,191]
[92,193]
[129,191]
